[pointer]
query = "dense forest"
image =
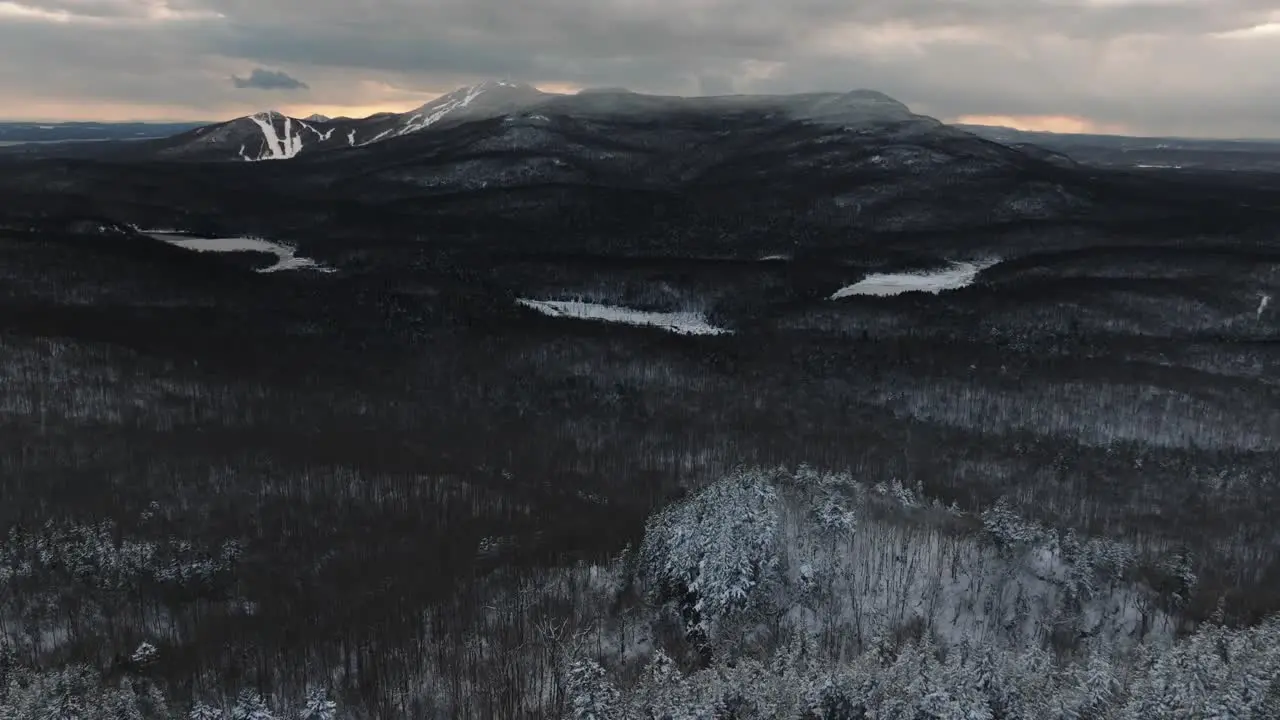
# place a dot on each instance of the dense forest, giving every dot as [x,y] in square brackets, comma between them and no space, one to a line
[418,498]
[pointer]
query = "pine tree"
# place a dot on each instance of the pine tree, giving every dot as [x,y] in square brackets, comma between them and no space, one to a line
[591,695]
[318,706]
[201,711]
[720,548]
[251,706]
[144,656]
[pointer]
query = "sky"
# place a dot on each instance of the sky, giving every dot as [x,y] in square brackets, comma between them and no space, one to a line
[1200,68]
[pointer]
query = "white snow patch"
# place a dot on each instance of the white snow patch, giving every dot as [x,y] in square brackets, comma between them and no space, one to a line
[351,138]
[767,258]
[145,654]
[1263,303]
[681,323]
[959,275]
[157,231]
[285,255]
[322,135]
[1164,167]
[278,148]
[456,101]
[375,139]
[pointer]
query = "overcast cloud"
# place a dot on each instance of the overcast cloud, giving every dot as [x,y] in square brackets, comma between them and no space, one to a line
[262,79]
[1195,67]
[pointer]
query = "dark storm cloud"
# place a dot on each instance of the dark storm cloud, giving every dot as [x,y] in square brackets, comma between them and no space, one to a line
[715,85]
[262,79]
[1150,65]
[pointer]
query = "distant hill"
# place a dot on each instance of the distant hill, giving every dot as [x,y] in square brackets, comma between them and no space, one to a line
[1141,153]
[23,132]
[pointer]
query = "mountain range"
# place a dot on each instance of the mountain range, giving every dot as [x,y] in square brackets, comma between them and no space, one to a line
[604,170]
[271,135]
[598,166]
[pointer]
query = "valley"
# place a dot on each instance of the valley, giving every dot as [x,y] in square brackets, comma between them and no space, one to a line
[784,406]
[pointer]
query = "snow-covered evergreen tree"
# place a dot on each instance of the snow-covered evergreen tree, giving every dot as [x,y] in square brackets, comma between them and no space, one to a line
[591,696]
[251,706]
[833,514]
[202,711]
[720,547]
[1216,673]
[144,656]
[1008,529]
[318,706]
[77,692]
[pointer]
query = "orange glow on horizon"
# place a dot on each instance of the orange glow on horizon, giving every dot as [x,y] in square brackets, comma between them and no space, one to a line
[57,110]
[1045,123]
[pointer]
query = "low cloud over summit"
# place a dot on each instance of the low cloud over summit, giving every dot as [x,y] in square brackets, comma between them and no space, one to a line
[261,79]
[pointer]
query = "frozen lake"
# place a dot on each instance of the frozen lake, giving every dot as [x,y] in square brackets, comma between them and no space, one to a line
[958,275]
[286,259]
[682,323]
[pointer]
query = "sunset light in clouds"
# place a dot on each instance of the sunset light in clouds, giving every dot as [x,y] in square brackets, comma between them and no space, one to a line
[1045,123]
[1106,66]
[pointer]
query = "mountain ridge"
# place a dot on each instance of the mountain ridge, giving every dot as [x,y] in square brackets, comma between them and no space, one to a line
[271,135]
[736,175]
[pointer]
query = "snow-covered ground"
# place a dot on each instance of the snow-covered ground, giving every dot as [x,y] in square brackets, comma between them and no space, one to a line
[959,275]
[1263,302]
[682,323]
[286,259]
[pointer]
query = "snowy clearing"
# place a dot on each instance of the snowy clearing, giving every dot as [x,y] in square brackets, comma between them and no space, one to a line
[375,139]
[277,148]
[322,135]
[285,257]
[681,323]
[959,275]
[1263,302]
[454,101]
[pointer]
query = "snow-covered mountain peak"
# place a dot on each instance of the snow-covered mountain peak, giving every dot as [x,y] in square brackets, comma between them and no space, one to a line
[272,135]
[497,86]
[280,142]
[487,99]
[266,135]
[464,97]
[460,98]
